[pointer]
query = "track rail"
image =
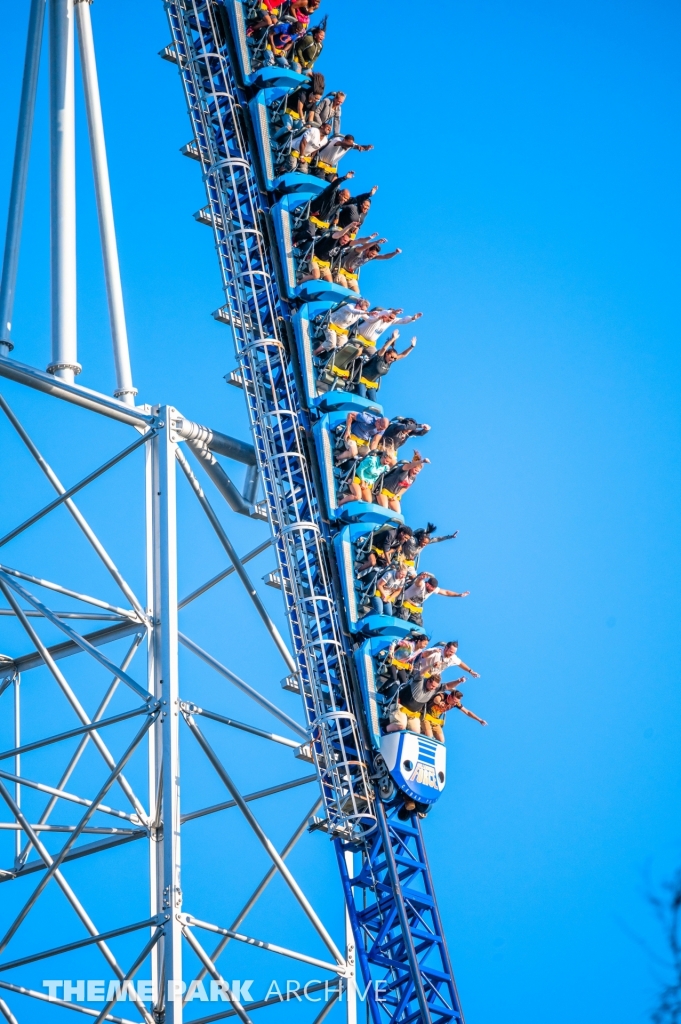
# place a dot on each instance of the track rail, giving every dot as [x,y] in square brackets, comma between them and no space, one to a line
[256,314]
[390,899]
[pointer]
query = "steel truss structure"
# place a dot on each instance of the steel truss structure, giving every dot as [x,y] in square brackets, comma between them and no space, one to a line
[120,730]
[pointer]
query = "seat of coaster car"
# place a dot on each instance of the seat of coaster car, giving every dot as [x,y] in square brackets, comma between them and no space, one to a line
[295,182]
[354,590]
[344,367]
[276,78]
[384,625]
[377,696]
[324,390]
[274,84]
[311,291]
[324,432]
[281,214]
[236,12]
[308,185]
[318,394]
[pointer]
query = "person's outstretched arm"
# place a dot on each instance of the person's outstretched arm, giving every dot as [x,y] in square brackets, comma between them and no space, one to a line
[455,683]
[366,241]
[452,593]
[389,344]
[339,232]
[471,714]
[446,536]
[467,668]
[407,352]
[388,255]
[408,319]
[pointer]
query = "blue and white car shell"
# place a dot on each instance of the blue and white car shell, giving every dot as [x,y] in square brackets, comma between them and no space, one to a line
[417,764]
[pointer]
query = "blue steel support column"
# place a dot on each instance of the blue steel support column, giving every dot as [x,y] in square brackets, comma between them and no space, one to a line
[400,940]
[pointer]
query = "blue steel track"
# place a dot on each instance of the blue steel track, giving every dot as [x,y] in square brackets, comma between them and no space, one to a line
[401,947]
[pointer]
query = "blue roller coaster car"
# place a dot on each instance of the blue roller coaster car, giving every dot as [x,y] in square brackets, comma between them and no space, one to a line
[283,218]
[317,398]
[321,291]
[356,592]
[260,108]
[417,764]
[354,511]
[264,76]
[237,23]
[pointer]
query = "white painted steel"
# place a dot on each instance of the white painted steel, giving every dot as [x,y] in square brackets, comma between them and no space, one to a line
[17,198]
[107,230]
[63,192]
[272,947]
[268,845]
[17,758]
[166,777]
[7,1013]
[350,956]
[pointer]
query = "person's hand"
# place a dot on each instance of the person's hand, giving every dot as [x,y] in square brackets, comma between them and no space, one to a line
[466,593]
[381,241]
[412,343]
[350,174]
[374,190]
[475,675]
[397,251]
[483,722]
[417,316]
[426,426]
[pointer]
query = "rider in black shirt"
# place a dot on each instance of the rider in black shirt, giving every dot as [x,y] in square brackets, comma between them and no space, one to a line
[375,368]
[324,210]
[386,545]
[401,429]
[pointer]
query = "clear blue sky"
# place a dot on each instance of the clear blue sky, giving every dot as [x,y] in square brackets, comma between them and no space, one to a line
[528,163]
